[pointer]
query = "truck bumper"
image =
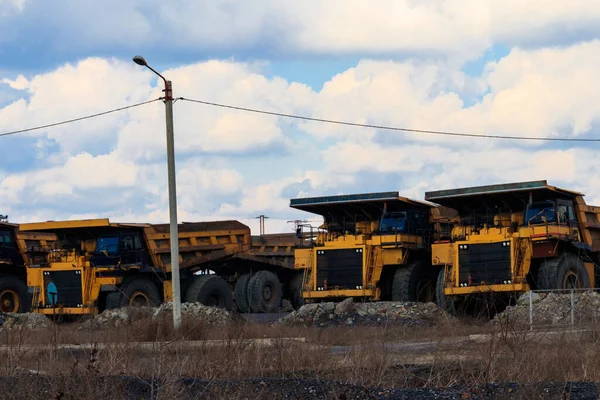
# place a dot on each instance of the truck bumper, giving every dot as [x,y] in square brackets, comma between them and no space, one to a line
[513,287]
[320,294]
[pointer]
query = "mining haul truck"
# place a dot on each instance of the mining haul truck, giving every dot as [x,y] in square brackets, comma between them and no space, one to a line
[373,246]
[513,238]
[13,277]
[96,265]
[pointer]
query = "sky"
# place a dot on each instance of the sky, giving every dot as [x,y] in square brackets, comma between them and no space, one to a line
[487,66]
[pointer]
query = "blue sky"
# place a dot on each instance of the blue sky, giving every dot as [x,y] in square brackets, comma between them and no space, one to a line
[478,66]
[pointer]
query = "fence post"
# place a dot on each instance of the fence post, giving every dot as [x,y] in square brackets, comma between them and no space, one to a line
[572,307]
[530,310]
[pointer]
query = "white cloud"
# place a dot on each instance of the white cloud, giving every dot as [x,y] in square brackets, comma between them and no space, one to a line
[539,22]
[72,91]
[529,93]
[390,28]
[10,8]
[208,129]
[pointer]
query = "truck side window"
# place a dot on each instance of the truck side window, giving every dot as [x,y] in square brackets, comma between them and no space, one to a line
[137,245]
[5,238]
[127,242]
[571,213]
[561,214]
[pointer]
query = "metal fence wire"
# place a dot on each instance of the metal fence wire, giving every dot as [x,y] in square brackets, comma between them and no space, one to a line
[562,308]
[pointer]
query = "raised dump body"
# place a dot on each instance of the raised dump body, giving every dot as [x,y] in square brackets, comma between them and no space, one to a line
[96,264]
[373,245]
[514,237]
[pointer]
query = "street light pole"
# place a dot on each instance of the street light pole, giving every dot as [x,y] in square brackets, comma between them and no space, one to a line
[175,284]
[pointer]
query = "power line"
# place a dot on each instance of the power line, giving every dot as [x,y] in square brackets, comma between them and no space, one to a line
[392,128]
[77,119]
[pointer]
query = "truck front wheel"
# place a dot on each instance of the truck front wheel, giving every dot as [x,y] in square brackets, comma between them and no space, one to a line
[139,292]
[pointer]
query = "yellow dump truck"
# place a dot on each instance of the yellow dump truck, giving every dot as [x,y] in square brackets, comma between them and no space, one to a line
[373,246]
[97,264]
[515,237]
[14,245]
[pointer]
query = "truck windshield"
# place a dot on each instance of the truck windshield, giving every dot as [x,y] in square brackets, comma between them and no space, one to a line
[107,244]
[4,239]
[539,213]
[391,223]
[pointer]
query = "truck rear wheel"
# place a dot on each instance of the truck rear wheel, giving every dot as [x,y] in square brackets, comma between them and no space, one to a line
[13,295]
[264,292]
[414,282]
[241,293]
[567,272]
[139,292]
[210,290]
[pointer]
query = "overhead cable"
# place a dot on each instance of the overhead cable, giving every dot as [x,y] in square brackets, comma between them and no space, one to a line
[77,119]
[384,127]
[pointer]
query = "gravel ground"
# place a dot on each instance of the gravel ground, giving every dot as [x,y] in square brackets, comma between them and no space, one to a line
[369,313]
[133,388]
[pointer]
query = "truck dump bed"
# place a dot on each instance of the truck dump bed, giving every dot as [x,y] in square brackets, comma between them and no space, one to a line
[199,242]
[19,248]
[275,249]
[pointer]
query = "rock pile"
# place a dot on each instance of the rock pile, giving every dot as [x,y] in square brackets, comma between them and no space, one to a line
[25,320]
[371,313]
[552,309]
[129,315]
[209,315]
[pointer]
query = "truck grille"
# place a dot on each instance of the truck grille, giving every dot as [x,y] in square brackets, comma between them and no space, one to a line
[67,285]
[341,268]
[487,262]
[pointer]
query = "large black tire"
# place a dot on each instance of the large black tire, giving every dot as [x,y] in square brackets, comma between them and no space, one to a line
[241,293]
[414,282]
[210,290]
[139,291]
[565,272]
[112,301]
[264,292]
[13,295]
[440,297]
[295,291]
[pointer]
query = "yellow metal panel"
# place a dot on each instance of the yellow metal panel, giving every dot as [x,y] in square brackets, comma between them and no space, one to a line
[152,235]
[393,256]
[168,291]
[441,254]
[52,225]
[318,294]
[591,272]
[515,287]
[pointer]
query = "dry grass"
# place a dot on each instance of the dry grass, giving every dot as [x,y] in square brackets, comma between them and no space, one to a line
[361,356]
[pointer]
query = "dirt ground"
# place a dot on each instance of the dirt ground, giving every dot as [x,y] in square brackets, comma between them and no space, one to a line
[142,358]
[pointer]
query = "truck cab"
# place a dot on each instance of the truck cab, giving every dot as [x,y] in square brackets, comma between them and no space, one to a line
[372,245]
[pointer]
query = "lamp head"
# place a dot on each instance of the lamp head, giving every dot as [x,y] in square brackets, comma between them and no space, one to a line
[139,60]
